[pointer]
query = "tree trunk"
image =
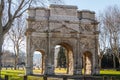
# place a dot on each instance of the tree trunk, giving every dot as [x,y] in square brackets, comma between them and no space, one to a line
[0,52]
[119,62]
[14,59]
[16,50]
[114,62]
[15,66]
[100,62]
[1,43]
[16,62]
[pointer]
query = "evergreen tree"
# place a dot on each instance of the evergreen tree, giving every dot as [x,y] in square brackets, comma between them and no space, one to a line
[61,58]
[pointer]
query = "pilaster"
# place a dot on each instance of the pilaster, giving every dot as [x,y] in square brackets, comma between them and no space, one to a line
[29,61]
[78,60]
[50,62]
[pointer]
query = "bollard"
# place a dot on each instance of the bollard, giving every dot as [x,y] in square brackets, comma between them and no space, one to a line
[25,77]
[103,78]
[6,77]
[113,78]
[44,77]
[64,78]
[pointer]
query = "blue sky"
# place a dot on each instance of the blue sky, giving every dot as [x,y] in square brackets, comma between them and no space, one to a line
[93,5]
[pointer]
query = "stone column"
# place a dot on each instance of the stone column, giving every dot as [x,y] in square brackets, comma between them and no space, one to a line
[29,65]
[95,57]
[46,62]
[95,67]
[93,63]
[97,71]
[79,65]
[78,60]
[75,61]
[49,64]
[29,61]
[51,61]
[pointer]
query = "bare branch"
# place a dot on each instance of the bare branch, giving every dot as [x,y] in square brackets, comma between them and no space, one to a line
[111,21]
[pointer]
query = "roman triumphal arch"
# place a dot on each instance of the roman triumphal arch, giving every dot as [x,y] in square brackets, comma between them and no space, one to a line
[66,26]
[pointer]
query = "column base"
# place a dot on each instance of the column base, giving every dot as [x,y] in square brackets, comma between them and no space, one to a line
[49,70]
[29,71]
[78,72]
[96,71]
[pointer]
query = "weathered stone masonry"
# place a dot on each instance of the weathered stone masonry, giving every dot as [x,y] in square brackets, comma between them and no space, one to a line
[63,25]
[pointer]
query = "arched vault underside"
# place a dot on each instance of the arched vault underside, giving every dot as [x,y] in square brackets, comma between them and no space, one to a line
[63,25]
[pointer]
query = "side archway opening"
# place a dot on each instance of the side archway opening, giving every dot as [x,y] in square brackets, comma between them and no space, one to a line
[38,62]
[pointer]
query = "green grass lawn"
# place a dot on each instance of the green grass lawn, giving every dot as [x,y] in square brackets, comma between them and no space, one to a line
[13,74]
[110,73]
[18,74]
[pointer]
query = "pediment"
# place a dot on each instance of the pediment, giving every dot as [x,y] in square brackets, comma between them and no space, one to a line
[64,29]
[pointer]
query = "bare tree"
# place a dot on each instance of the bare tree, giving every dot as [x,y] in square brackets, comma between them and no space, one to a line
[7,59]
[9,11]
[16,35]
[111,22]
[103,40]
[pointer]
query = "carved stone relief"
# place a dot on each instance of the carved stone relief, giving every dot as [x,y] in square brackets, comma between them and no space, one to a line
[86,28]
[40,26]
[39,43]
[87,44]
[64,29]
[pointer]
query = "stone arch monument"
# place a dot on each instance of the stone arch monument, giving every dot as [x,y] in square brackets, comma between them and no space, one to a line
[63,25]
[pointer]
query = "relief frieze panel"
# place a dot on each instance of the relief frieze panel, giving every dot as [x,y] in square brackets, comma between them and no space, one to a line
[64,29]
[40,26]
[38,43]
[86,28]
[87,44]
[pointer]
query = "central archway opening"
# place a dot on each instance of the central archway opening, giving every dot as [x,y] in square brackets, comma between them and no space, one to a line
[63,59]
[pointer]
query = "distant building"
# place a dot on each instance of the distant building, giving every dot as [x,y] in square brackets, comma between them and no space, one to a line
[8,59]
